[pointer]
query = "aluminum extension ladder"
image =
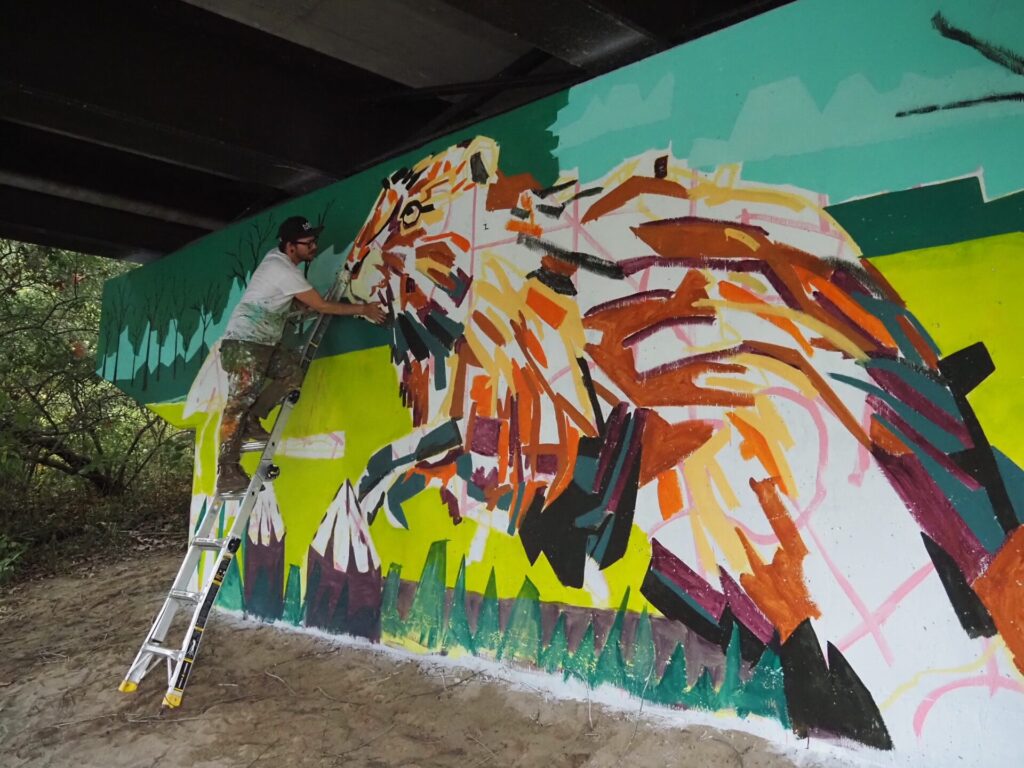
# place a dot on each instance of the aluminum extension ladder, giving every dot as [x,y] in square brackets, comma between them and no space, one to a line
[181,659]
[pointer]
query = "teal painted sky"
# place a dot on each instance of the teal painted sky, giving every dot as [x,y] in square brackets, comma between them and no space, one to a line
[807,95]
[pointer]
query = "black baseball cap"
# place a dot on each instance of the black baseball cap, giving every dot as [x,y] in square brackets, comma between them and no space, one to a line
[295,228]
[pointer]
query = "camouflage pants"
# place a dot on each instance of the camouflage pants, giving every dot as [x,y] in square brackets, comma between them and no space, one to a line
[249,367]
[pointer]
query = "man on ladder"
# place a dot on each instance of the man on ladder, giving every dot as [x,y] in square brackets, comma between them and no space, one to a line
[251,353]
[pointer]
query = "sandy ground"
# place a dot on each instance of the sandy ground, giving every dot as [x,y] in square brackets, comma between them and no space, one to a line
[261,696]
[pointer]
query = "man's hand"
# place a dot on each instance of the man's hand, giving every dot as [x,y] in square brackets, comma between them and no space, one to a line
[373,312]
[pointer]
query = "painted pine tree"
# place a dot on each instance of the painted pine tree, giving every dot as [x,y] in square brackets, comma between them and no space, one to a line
[671,689]
[293,609]
[488,622]
[522,637]
[554,655]
[459,634]
[610,668]
[425,622]
[391,619]
[582,664]
[639,673]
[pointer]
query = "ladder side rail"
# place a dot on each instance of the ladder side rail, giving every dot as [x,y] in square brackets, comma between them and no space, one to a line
[178,677]
[180,663]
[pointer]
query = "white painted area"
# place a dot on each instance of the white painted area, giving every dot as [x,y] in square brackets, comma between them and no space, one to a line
[209,390]
[265,523]
[327,445]
[347,524]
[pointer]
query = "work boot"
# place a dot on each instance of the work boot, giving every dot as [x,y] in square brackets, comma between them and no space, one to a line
[253,430]
[268,398]
[231,478]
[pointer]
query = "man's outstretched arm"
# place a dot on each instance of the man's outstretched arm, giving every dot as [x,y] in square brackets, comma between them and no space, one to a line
[372,312]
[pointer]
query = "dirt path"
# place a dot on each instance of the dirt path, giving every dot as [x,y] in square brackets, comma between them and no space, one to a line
[265,697]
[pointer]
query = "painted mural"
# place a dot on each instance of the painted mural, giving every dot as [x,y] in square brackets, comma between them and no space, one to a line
[699,382]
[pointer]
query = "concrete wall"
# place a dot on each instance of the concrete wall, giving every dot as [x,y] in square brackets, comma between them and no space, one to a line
[701,386]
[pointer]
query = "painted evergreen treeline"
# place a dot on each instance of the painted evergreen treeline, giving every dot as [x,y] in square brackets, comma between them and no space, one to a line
[345,594]
[442,620]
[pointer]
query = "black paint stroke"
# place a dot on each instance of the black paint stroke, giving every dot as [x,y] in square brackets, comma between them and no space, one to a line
[579,523]
[587,261]
[555,281]
[588,384]
[477,169]
[828,699]
[1001,56]
[964,371]
[586,193]
[542,193]
[990,99]
[554,211]
[973,616]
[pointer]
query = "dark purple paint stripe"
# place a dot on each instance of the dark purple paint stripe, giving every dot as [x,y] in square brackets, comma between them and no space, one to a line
[685,578]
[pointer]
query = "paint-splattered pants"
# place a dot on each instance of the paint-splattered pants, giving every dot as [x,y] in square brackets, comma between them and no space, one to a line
[249,366]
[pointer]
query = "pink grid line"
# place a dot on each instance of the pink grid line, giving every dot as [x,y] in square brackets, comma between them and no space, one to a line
[870,621]
[990,679]
[888,606]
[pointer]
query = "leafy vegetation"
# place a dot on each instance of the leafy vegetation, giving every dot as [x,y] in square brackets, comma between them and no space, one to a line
[81,463]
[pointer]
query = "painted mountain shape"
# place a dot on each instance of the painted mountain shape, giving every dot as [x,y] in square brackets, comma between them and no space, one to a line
[343,587]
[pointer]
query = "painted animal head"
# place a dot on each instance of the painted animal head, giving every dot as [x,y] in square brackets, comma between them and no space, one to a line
[407,252]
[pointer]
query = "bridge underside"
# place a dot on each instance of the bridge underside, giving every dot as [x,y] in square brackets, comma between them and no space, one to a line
[129,129]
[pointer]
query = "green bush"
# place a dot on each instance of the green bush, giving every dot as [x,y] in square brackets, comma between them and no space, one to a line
[81,463]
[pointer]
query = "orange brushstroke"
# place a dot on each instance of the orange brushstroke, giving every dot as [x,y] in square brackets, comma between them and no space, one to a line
[550,312]
[1001,589]
[440,279]
[568,448]
[461,242]
[516,225]
[417,391]
[441,253]
[457,404]
[670,496]
[755,446]
[779,588]
[665,445]
[886,440]
[504,193]
[630,189]
[676,386]
[845,303]
[443,472]
[731,292]
[696,240]
[534,347]
[481,321]
[794,359]
[482,395]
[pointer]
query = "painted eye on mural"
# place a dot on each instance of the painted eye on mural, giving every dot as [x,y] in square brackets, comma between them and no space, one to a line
[411,213]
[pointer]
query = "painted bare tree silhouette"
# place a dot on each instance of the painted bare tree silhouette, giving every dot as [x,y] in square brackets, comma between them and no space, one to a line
[1002,56]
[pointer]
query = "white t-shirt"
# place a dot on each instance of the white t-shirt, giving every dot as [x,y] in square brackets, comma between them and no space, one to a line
[261,313]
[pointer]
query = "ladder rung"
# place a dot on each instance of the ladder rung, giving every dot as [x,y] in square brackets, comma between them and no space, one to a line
[184,595]
[207,543]
[159,650]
